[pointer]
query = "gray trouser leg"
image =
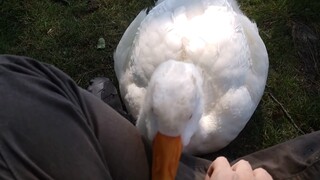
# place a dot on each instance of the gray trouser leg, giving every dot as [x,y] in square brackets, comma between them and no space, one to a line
[52,129]
[295,159]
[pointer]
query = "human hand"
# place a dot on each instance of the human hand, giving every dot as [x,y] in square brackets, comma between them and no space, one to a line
[242,170]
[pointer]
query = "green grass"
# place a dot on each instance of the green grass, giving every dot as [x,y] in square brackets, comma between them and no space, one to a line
[66,36]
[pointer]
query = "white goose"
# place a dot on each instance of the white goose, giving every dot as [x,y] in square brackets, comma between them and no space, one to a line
[192,73]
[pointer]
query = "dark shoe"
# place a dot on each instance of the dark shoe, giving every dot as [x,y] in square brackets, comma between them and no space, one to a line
[104,89]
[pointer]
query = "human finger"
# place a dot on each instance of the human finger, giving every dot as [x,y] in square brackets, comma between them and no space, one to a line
[220,169]
[261,173]
[243,169]
[220,163]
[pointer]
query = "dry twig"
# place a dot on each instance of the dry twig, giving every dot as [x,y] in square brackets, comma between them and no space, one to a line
[286,113]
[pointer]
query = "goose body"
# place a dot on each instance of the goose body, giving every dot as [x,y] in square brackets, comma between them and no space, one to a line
[194,69]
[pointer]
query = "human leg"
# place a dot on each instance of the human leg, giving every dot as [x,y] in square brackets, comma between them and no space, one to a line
[52,129]
[295,159]
[121,143]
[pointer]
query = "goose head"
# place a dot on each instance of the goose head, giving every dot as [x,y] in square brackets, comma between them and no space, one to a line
[173,108]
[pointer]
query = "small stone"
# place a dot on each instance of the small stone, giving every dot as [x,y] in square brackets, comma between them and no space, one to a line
[101,43]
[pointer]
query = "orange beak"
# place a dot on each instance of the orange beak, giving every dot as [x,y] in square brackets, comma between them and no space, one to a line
[165,157]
